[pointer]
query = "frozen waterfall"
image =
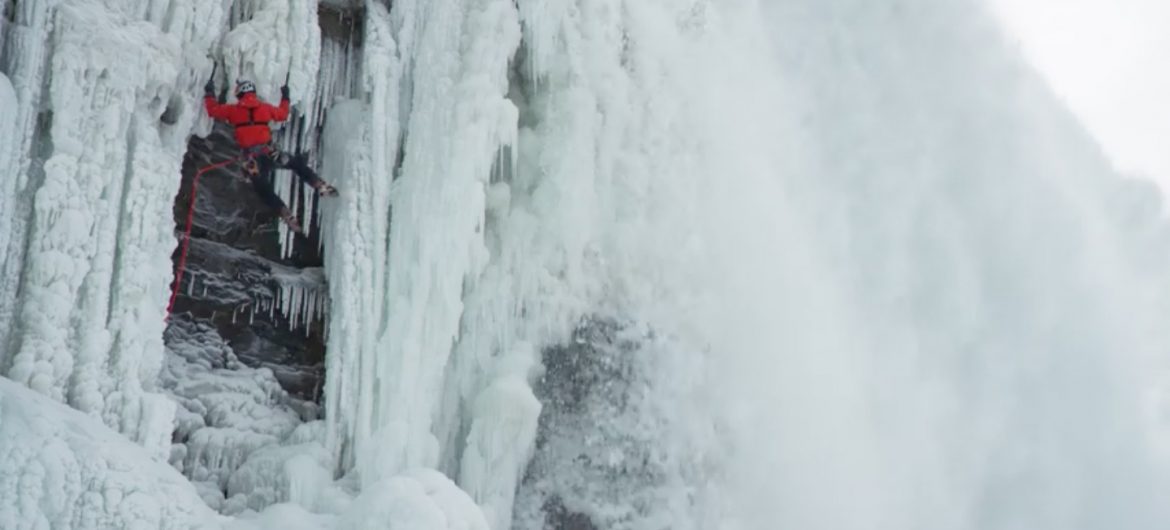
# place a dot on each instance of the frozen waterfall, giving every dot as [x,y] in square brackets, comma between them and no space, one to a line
[604,264]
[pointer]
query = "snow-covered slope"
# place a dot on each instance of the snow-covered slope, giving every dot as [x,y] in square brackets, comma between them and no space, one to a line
[682,264]
[65,470]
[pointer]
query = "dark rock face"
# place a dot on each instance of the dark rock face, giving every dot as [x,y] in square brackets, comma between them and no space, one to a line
[234,270]
[596,464]
[558,517]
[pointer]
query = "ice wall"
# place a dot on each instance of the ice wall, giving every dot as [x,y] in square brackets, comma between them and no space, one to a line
[10,140]
[401,283]
[768,214]
[435,117]
[89,238]
[106,94]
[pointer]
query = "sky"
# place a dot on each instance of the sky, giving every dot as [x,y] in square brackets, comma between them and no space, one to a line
[1110,61]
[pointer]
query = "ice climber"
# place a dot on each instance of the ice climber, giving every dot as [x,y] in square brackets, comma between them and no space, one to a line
[250,117]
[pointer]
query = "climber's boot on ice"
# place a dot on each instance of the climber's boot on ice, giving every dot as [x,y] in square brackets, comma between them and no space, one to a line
[324,189]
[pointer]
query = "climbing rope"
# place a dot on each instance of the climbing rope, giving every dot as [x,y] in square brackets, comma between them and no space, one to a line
[186,244]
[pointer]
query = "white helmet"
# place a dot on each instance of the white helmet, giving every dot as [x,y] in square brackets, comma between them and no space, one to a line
[244,86]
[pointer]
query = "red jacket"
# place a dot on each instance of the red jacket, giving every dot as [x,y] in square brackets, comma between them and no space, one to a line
[250,117]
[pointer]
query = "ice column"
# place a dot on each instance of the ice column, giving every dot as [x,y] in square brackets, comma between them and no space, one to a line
[98,232]
[9,142]
[26,45]
[360,146]
[402,319]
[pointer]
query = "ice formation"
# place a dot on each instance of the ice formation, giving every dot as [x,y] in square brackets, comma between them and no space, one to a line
[301,298]
[662,264]
[63,469]
[232,422]
[90,233]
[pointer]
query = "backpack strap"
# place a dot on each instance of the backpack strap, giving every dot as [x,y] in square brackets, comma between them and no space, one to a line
[252,119]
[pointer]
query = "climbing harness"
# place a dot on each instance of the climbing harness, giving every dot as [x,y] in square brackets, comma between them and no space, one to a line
[250,163]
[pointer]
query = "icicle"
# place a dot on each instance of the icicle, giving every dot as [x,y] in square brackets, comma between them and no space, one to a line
[313,304]
[307,305]
[297,306]
[310,202]
[289,308]
[309,311]
[301,315]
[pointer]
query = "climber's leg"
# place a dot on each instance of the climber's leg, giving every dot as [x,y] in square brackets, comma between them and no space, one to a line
[263,186]
[300,166]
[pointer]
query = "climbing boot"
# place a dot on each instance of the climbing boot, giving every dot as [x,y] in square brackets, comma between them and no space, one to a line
[324,189]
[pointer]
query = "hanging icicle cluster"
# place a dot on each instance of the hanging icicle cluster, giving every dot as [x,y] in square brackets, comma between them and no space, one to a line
[302,306]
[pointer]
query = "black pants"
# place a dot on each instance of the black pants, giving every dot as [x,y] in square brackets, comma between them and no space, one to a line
[266,165]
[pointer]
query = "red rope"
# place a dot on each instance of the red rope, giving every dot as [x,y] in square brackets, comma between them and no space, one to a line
[186,244]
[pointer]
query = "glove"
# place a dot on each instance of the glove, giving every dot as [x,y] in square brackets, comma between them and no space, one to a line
[209,88]
[284,92]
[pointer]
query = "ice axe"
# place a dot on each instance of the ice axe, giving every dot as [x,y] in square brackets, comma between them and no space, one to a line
[211,82]
[210,86]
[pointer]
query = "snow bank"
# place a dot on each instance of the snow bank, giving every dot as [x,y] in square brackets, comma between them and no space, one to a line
[418,500]
[268,476]
[285,517]
[65,470]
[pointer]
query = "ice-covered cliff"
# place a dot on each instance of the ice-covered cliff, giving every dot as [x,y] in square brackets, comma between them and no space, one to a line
[680,264]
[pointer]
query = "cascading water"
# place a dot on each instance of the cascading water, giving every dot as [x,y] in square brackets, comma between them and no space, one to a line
[886,274]
[682,264]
